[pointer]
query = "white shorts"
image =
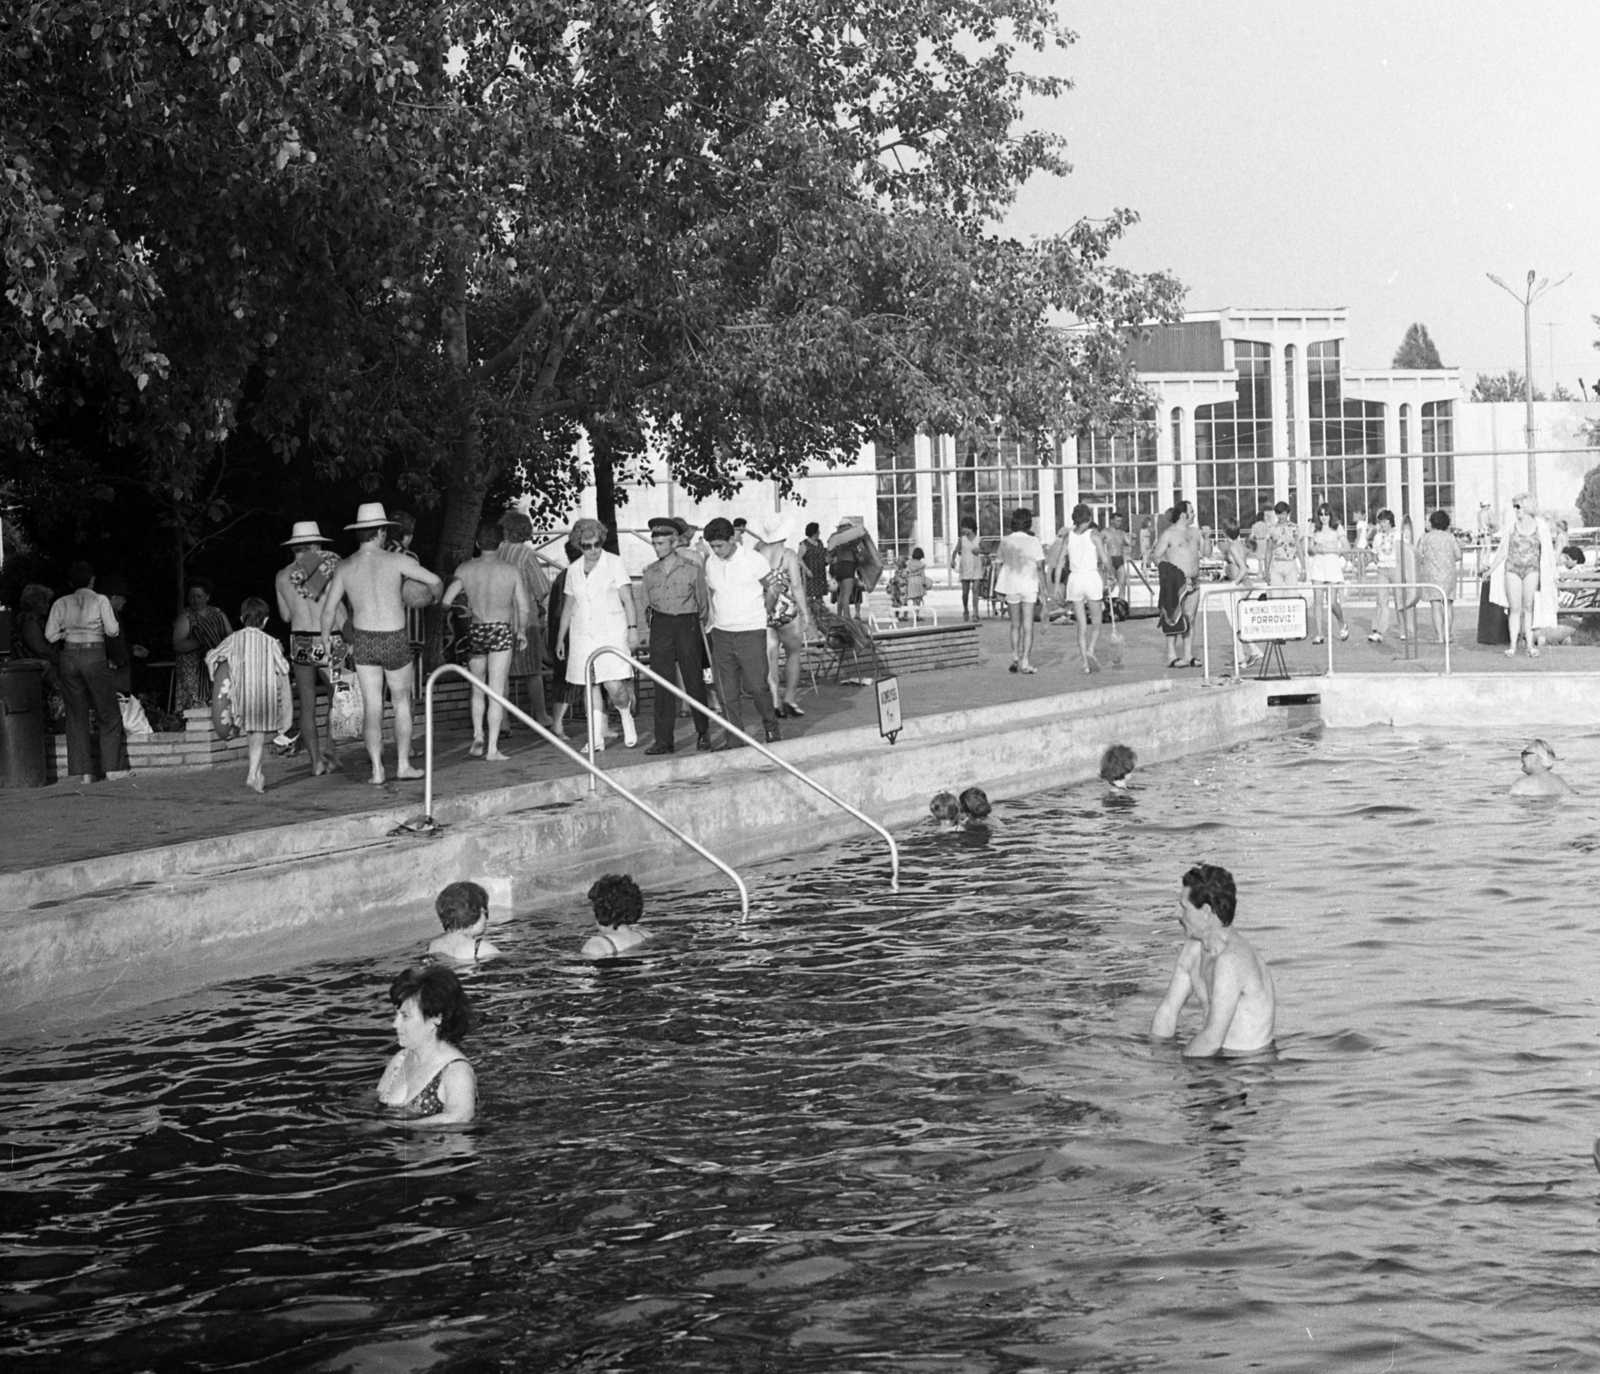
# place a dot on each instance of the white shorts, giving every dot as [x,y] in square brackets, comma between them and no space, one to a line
[1326,567]
[1022,598]
[1085,586]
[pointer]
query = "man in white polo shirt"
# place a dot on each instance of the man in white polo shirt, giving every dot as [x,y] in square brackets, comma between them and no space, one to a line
[739,581]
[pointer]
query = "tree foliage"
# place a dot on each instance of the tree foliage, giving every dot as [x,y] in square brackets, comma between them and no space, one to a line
[1509,386]
[426,243]
[1589,496]
[1417,350]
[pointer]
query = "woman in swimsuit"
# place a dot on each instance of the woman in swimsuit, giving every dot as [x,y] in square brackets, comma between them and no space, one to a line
[618,905]
[430,1080]
[1515,575]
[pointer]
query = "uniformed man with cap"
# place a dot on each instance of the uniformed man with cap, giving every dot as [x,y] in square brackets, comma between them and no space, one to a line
[675,602]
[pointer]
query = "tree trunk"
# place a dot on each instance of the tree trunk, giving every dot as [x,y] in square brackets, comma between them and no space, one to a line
[469,477]
[605,484]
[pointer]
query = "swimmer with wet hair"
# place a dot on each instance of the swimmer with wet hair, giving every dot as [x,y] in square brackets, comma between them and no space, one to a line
[463,910]
[618,906]
[945,808]
[975,807]
[1218,968]
[1117,765]
[1537,780]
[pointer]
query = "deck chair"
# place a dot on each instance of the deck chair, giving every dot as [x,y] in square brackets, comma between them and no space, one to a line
[845,640]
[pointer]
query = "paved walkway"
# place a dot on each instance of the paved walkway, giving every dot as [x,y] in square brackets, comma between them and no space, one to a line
[66,823]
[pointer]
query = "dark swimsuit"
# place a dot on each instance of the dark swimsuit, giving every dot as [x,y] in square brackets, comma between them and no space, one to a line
[427,1102]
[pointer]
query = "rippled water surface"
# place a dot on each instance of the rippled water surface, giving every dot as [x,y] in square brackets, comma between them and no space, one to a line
[865,1131]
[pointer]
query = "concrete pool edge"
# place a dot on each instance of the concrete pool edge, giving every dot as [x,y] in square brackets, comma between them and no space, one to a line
[269,903]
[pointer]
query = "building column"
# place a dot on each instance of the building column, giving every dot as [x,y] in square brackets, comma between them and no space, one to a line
[1393,463]
[1413,466]
[1189,474]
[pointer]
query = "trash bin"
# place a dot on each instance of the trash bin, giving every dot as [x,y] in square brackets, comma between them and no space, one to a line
[22,723]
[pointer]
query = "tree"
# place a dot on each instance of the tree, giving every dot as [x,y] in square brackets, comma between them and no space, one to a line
[1417,350]
[427,243]
[1589,496]
[1509,387]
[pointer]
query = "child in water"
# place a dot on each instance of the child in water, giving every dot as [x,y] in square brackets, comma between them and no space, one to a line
[1117,765]
[946,810]
[618,905]
[1537,780]
[463,910]
[974,807]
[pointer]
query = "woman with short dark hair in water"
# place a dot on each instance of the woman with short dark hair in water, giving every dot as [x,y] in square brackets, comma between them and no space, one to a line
[618,906]
[975,807]
[429,1079]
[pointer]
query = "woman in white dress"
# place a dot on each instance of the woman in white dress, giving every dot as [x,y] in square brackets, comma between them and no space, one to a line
[599,609]
[1327,547]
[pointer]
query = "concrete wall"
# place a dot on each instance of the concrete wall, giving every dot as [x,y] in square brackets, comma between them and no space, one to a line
[1497,702]
[136,928]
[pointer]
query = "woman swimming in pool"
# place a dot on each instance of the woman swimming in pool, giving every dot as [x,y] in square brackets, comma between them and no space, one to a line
[430,1079]
[618,905]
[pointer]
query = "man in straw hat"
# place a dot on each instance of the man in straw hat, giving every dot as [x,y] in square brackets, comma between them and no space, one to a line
[302,589]
[372,580]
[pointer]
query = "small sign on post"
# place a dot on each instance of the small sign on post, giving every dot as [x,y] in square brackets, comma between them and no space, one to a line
[1272,621]
[889,723]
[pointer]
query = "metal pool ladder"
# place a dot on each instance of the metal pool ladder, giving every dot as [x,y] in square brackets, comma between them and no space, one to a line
[427,772]
[596,727]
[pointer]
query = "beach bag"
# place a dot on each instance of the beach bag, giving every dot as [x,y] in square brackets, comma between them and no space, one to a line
[134,719]
[223,725]
[346,715]
[784,607]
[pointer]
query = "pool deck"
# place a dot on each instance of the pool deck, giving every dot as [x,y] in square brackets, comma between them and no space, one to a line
[67,823]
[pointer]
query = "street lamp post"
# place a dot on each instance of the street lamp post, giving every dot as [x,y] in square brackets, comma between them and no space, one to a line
[1526,300]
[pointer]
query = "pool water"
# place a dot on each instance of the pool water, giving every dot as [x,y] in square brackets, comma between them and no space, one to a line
[923,1131]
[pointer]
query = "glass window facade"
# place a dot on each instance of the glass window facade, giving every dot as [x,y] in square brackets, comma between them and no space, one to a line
[897,495]
[1439,457]
[1233,444]
[1117,472]
[994,475]
[1347,463]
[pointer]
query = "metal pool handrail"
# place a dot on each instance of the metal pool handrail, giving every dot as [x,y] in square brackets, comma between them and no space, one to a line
[570,752]
[677,691]
[1241,593]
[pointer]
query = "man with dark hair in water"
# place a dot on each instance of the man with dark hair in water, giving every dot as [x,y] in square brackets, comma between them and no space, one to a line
[1220,969]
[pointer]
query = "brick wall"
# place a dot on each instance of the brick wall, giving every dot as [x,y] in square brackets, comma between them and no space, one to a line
[197,747]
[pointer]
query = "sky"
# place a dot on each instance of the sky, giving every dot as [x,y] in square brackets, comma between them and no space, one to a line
[1378,156]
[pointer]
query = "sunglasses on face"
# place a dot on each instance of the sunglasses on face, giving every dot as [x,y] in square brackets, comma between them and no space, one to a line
[590,545]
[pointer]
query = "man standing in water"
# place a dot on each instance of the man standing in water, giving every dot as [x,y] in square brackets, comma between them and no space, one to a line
[1220,969]
[1177,556]
[372,580]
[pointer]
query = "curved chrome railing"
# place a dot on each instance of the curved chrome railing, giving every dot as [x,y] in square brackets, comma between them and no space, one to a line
[427,771]
[595,726]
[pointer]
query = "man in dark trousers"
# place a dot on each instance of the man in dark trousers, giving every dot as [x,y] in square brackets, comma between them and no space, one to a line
[674,604]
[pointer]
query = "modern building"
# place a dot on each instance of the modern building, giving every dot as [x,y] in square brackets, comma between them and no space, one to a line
[1251,407]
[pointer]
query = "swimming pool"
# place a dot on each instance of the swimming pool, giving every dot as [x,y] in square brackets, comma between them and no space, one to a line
[876,1132]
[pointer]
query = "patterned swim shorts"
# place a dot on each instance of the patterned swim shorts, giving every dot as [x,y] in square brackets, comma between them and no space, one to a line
[386,649]
[488,636]
[306,648]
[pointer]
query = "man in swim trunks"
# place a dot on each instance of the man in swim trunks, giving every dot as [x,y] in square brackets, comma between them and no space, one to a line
[498,600]
[302,590]
[1220,970]
[372,579]
[1117,542]
[1177,555]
